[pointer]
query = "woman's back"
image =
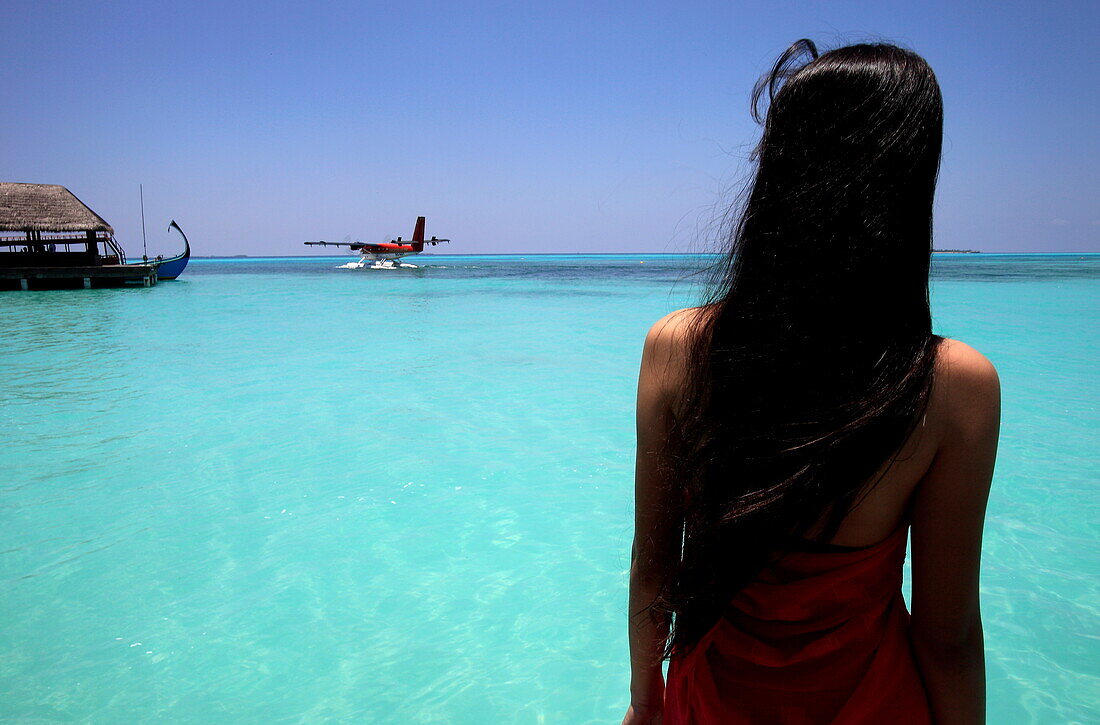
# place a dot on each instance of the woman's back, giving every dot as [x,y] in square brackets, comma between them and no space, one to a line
[965,379]
[823,634]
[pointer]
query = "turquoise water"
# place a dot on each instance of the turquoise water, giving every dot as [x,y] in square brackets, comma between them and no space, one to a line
[275,491]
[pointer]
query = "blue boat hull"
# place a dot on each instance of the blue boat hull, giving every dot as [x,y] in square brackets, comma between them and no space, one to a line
[172,268]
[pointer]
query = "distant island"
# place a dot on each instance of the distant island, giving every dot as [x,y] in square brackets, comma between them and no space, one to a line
[956,251]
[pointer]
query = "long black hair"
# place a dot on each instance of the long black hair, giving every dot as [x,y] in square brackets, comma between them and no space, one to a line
[811,361]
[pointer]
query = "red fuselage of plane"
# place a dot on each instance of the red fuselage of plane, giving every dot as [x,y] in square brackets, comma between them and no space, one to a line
[385,248]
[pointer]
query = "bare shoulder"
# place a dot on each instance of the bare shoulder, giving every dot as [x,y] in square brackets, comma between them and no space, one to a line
[967,391]
[963,362]
[675,328]
[666,352]
[669,339]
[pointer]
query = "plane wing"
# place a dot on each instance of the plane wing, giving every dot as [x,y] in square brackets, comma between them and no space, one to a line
[364,245]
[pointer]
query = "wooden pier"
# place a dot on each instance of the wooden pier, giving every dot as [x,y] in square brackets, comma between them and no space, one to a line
[54,241]
[86,277]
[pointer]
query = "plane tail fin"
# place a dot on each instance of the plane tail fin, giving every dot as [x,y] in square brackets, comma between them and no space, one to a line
[418,235]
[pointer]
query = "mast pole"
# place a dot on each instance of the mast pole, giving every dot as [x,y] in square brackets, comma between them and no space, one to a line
[144,247]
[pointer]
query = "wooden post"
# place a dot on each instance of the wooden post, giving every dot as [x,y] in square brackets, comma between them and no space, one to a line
[93,249]
[23,285]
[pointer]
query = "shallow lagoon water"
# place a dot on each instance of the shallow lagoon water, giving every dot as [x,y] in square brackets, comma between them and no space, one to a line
[275,491]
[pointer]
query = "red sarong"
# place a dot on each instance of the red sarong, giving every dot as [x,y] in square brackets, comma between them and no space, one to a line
[819,637]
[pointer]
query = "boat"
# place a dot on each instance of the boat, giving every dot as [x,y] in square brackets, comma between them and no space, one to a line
[173,266]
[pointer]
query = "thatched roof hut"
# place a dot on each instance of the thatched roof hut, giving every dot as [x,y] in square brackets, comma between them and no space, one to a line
[45,208]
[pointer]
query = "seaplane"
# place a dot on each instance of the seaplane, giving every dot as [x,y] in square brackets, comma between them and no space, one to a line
[385,255]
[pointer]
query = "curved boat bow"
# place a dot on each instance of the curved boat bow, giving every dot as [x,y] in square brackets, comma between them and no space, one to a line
[173,266]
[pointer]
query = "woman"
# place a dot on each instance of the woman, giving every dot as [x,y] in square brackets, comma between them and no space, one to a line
[796,426]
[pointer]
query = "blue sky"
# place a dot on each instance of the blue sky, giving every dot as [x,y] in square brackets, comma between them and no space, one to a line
[531,127]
